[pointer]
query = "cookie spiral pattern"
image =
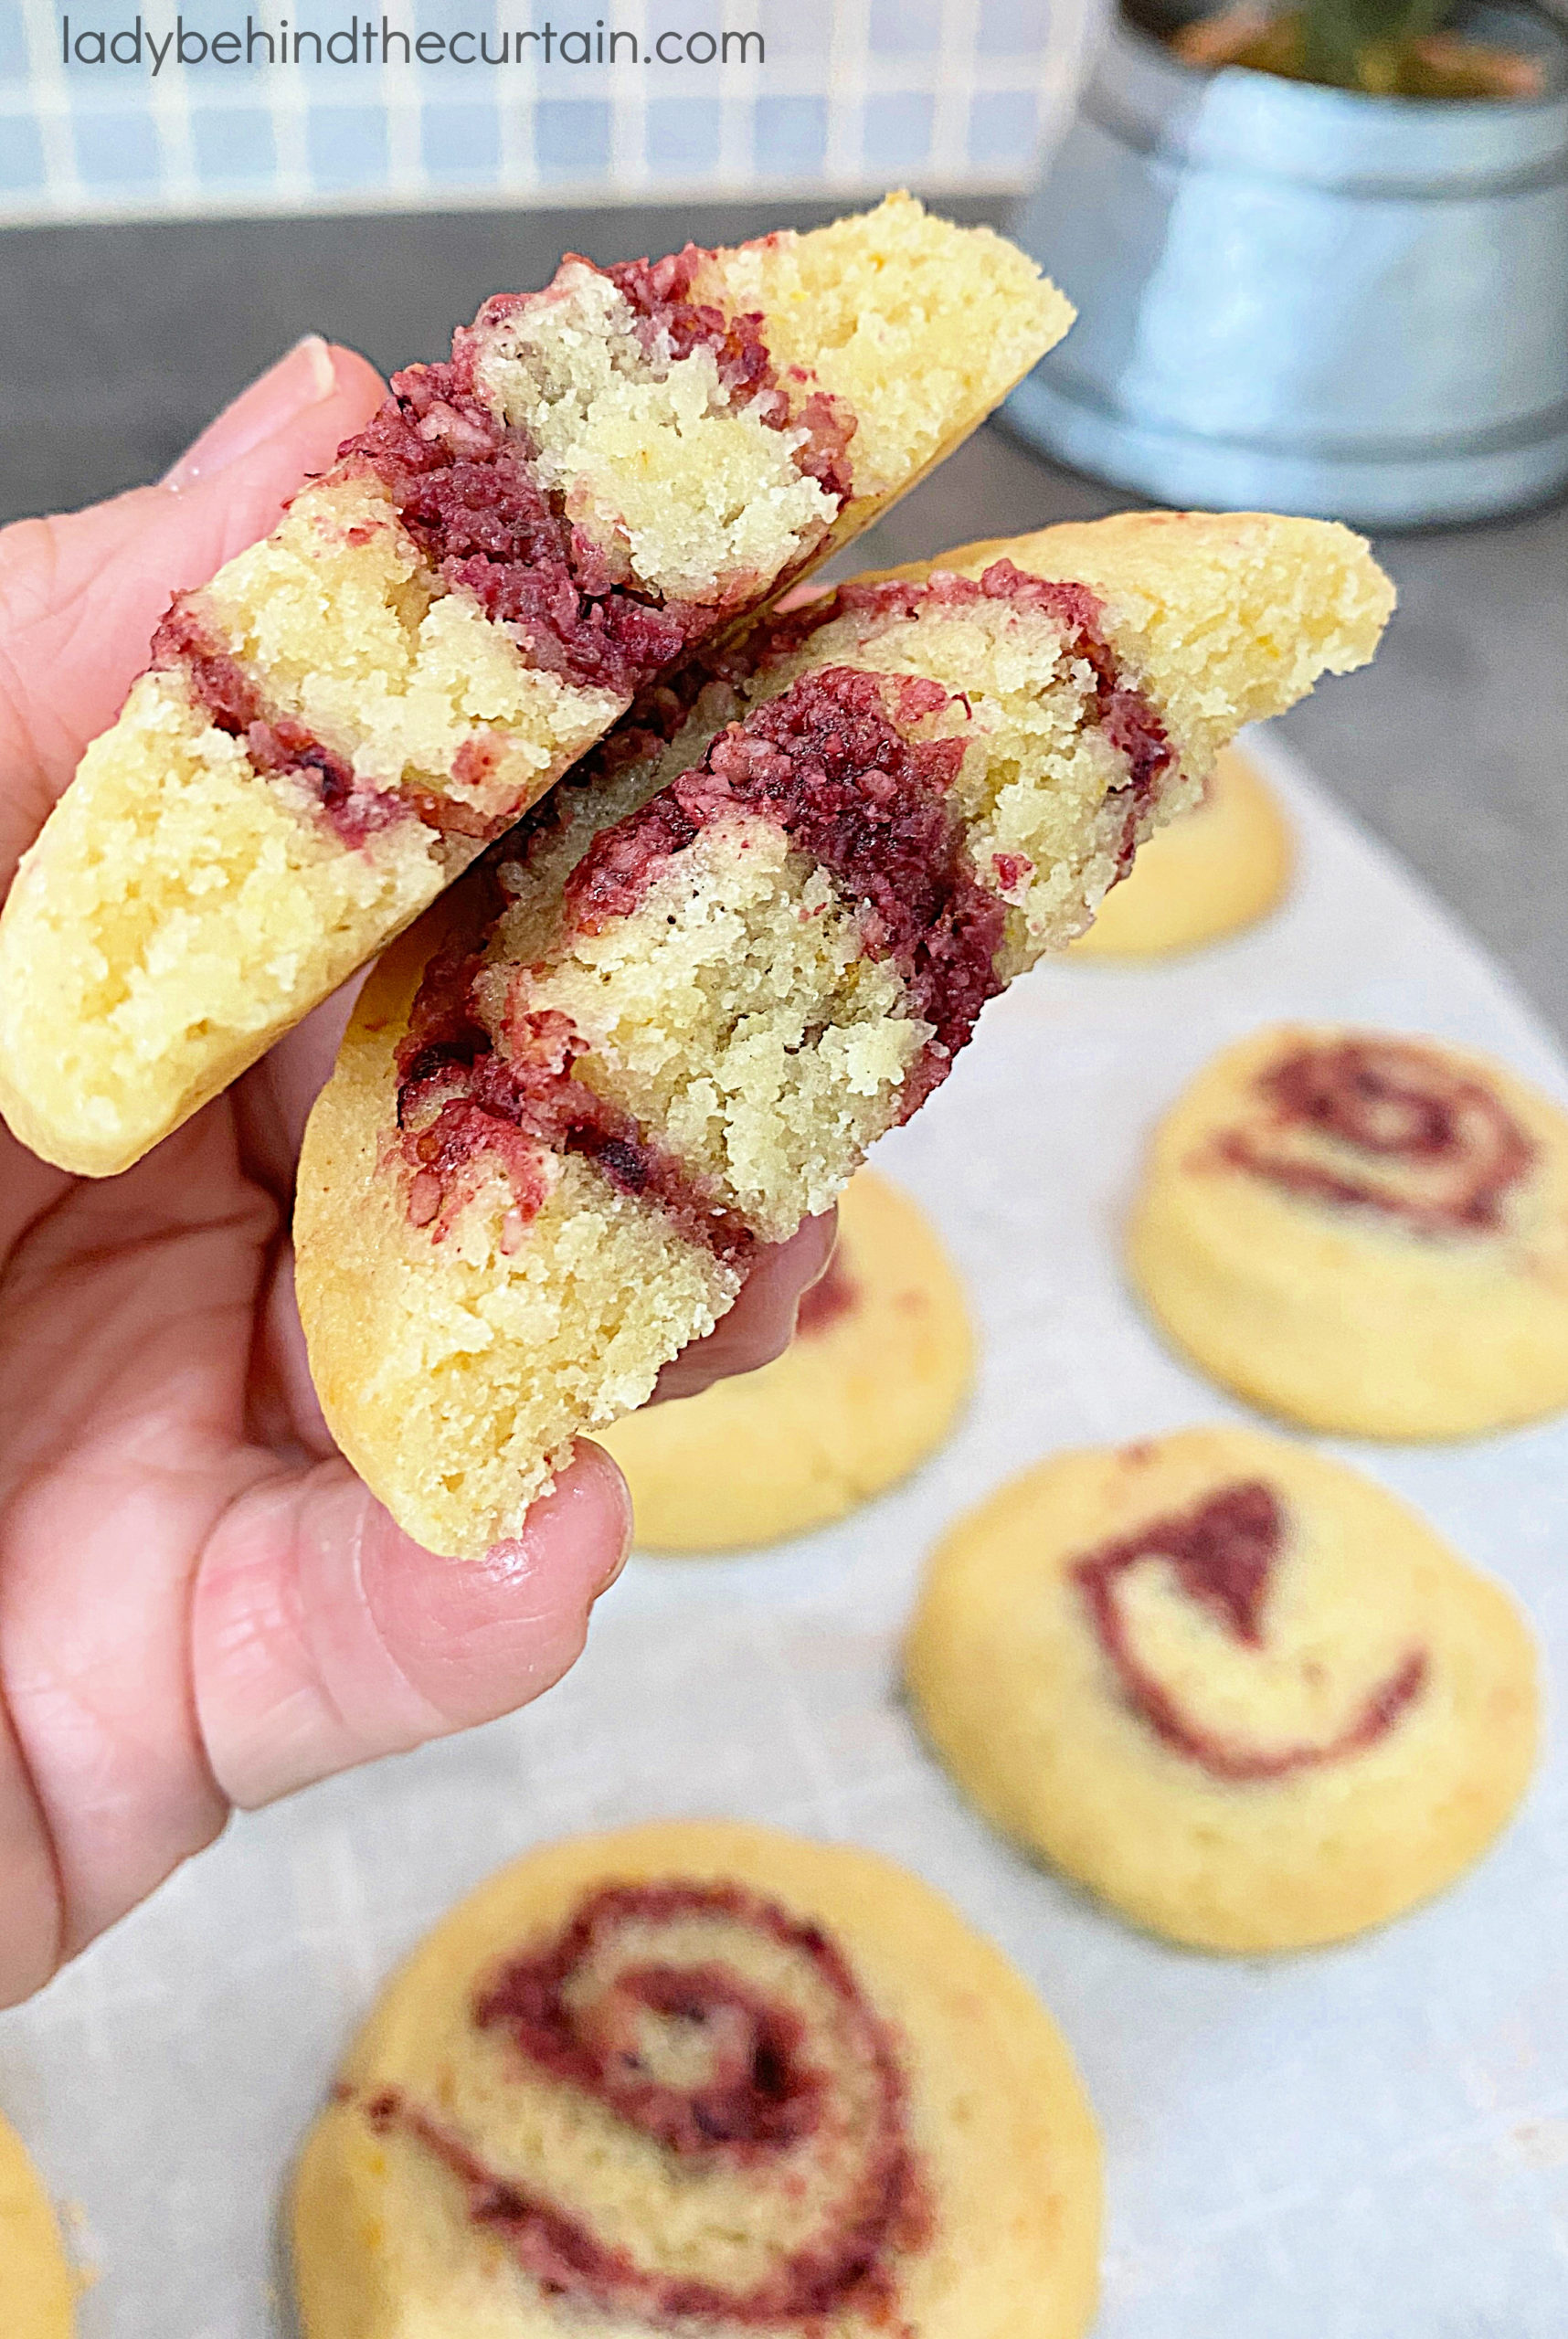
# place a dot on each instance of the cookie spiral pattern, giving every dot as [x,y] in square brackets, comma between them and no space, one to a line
[1222,1554]
[663,2080]
[645,2006]
[1387,1125]
[1234,1688]
[1364,1231]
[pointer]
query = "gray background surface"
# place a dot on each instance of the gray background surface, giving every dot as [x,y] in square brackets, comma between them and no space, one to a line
[119,343]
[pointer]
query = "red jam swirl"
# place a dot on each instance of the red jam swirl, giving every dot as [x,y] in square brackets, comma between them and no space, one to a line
[759,2099]
[663,294]
[465,487]
[829,762]
[1129,719]
[1437,1146]
[464,1104]
[278,745]
[1222,1553]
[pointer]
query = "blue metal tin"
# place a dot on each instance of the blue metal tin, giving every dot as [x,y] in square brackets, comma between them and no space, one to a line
[1309,299]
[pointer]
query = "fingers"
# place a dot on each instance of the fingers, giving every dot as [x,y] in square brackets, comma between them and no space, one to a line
[761,1323]
[80,594]
[321,1637]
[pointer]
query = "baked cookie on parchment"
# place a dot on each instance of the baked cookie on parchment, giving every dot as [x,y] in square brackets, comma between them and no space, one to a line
[38,2292]
[1219,868]
[1235,1688]
[707,2080]
[880,1363]
[670,1015]
[1364,1231]
[604,475]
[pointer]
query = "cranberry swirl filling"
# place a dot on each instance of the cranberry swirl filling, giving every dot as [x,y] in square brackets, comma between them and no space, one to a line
[466,1103]
[1222,1554]
[278,745]
[1129,719]
[1387,1125]
[830,762]
[641,2005]
[465,486]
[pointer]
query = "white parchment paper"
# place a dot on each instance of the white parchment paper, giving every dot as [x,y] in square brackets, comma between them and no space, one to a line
[1367,2143]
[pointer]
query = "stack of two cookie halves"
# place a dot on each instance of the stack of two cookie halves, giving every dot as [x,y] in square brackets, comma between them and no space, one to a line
[664,1017]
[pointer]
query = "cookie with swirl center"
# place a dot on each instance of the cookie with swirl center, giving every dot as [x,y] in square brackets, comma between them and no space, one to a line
[1242,1693]
[701,2079]
[1218,868]
[1365,1233]
[880,1363]
[37,2295]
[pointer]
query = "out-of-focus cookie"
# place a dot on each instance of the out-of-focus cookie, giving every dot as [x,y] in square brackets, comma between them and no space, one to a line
[37,2296]
[1363,1233]
[701,2079]
[1212,870]
[880,1363]
[1233,1687]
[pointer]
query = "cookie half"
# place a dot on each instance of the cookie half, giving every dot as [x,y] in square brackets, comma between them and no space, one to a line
[706,2079]
[1364,1231]
[605,474]
[1235,1688]
[881,1362]
[37,2294]
[670,1017]
[1218,869]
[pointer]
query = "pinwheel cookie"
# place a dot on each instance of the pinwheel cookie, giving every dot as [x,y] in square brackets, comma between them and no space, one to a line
[1365,1233]
[880,1362]
[1229,1685]
[38,2292]
[665,1022]
[605,474]
[706,2079]
[1221,867]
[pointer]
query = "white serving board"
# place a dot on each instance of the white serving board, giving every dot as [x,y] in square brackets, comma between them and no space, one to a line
[1366,2142]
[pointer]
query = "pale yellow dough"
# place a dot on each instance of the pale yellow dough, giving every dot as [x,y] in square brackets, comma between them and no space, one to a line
[37,2294]
[1216,869]
[384,2247]
[1341,1317]
[848,1409]
[1016,1692]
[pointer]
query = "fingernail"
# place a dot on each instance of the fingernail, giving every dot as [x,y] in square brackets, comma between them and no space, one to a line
[628,1531]
[301,379]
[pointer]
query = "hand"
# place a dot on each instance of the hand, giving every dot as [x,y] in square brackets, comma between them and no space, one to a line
[200,1605]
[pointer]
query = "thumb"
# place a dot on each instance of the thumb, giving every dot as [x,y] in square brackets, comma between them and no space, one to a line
[321,1637]
[82,593]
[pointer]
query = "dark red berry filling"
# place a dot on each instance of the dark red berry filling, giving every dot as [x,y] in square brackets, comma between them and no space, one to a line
[1129,720]
[1400,1105]
[463,1102]
[1224,1553]
[278,745]
[760,2094]
[466,489]
[828,762]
